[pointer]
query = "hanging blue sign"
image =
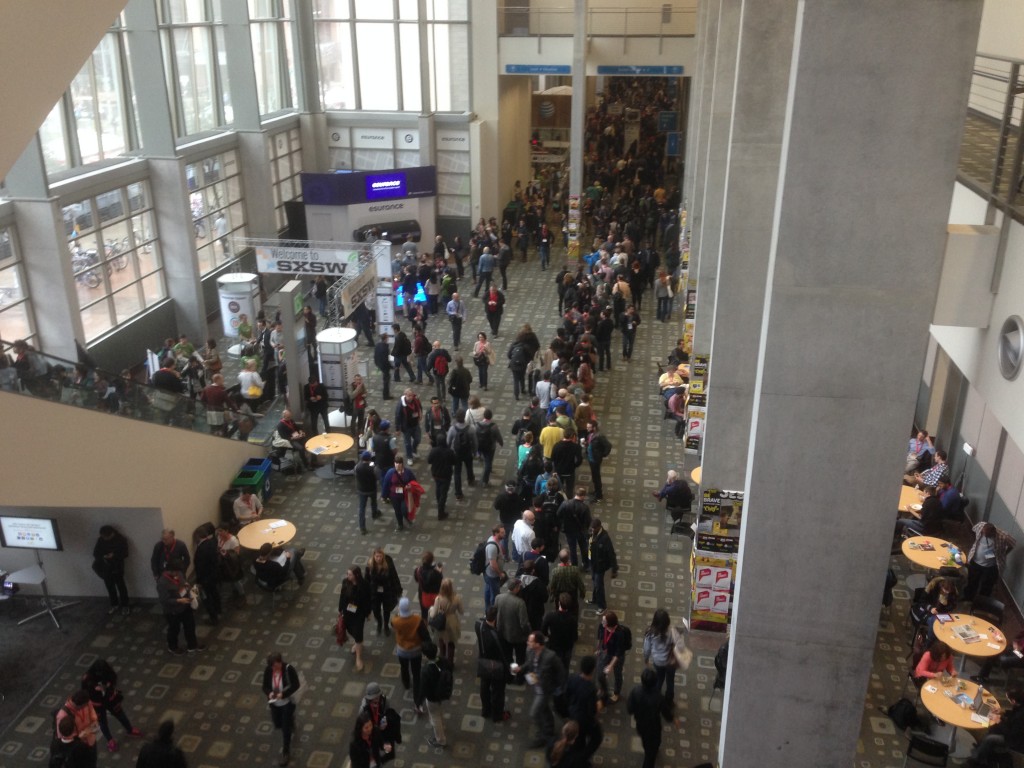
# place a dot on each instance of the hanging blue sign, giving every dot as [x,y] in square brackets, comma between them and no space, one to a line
[538,69]
[672,144]
[628,70]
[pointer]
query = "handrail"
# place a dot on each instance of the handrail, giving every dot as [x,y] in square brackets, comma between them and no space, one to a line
[48,377]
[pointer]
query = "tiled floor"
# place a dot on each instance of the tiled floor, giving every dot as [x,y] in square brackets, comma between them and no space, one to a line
[215,696]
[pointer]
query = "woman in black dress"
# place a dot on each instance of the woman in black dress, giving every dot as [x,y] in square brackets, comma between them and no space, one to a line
[354,605]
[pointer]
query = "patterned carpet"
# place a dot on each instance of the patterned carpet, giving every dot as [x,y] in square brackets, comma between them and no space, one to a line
[215,695]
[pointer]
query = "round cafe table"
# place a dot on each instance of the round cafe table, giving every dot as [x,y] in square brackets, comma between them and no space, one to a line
[935,558]
[992,642]
[266,531]
[331,444]
[936,697]
[696,475]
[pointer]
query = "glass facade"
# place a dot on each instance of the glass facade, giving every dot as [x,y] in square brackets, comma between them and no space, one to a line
[15,309]
[274,60]
[114,249]
[218,215]
[285,155]
[371,59]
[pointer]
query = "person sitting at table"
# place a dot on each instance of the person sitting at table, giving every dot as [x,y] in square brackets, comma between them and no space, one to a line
[920,450]
[673,380]
[936,660]
[1006,731]
[1011,659]
[274,565]
[931,476]
[677,411]
[247,507]
[941,595]
[289,434]
[949,497]
[930,522]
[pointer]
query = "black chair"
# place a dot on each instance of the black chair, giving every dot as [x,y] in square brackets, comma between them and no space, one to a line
[988,608]
[264,586]
[680,523]
[925,751]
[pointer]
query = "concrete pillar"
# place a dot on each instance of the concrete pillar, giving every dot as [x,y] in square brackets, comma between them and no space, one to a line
[707,240]
[577,125]
[488,185]
[874,117]
[751,177]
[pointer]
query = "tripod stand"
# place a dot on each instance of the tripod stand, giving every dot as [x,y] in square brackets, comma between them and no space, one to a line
[36,575]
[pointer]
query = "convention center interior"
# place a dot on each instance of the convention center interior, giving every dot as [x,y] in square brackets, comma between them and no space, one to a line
[512,383]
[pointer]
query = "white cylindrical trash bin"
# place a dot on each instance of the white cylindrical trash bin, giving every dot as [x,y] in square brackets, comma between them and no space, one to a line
[338,361]
[239,294]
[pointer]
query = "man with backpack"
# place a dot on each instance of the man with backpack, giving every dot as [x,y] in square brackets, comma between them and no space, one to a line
[518,360]
[442,466]
[408,412]
[79,711]
[491,668]
[438,362]
[462,440]
[488,437]
[574,517]
[437,682]
[598,447]
[437,420]
[494,568]
[69,751]
[602,559]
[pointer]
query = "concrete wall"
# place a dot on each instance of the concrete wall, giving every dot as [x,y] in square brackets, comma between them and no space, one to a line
[514,98]
[100,469]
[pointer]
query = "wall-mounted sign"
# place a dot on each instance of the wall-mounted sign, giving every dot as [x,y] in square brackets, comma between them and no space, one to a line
[635,71]
[407,138]
[453,140]
[373,138]
[381,186]
[538,69]
[354,188]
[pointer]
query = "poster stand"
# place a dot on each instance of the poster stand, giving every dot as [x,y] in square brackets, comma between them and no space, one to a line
[713,559]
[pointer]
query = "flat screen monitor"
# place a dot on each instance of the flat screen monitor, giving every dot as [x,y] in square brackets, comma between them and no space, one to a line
[29,533]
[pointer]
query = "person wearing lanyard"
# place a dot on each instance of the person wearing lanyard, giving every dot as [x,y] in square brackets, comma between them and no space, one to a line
[456,312]
[986,556]
[280,682]
[247,507]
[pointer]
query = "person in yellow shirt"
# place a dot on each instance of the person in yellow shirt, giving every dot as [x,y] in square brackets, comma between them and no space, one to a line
[551,435]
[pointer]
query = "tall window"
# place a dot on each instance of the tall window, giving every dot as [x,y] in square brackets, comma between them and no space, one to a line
[94,119]
[274,61]
[371,59]
[15,307]
[285,167]
[195,66]
[115,256]
[218,215]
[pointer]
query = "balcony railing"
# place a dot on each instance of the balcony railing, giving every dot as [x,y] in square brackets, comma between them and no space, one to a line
[531,18]
[55,379]
[993,145]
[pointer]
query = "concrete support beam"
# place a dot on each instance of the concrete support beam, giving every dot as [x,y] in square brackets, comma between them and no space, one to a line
[873,124]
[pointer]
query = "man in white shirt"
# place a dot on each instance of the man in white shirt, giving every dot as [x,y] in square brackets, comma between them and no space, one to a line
[522,536]
[247,507]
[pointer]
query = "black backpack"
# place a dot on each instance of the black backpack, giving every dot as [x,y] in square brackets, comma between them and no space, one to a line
[904,714]
[484,438]
[444,685]
[478,562]
[627,637]
[463,442]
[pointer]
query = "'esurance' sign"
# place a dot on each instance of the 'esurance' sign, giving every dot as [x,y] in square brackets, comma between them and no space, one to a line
[305,261]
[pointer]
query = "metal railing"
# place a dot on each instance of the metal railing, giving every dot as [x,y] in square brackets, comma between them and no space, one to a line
[47,377]
[604,19]
[993,145]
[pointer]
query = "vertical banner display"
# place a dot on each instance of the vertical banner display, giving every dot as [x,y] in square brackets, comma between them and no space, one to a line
[385,284]
[690,315]
[573,224]
[714,557]
[696,414]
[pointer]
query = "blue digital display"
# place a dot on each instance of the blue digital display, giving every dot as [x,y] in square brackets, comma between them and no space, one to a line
[384,186]
[420,298]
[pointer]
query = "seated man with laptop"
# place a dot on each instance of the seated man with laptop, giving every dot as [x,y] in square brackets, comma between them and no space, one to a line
[273,566]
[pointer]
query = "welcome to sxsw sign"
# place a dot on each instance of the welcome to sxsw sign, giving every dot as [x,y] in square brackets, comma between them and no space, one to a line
[305,261]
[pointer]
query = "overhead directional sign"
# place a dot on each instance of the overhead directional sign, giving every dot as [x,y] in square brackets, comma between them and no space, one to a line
[538,69]
[639,70]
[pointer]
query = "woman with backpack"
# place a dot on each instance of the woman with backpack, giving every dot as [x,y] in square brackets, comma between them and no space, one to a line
[100,682]
[444,619]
